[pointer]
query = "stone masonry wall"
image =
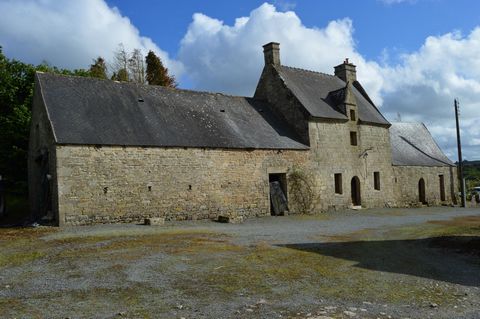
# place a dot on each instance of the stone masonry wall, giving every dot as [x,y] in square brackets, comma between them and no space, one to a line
[332,153]
[127,184]
[406,184]
[272,89]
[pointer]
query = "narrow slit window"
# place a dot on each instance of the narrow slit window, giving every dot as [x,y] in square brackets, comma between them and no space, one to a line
[352,115]
[338,184]
[376,180]
[353,138]
[442,187]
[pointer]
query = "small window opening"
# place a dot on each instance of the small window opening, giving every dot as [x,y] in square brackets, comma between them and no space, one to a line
[189,187]
[222,110]
[149,188]
[278,194]
[105,190]
[140,99]
[376,180]
[352,115]
[442,187]
[338,184]
[353,138]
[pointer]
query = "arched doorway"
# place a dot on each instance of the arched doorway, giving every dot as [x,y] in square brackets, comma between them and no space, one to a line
[421,191]
[355,187]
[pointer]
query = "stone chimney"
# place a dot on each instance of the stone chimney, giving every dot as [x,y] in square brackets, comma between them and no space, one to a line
[271,51]
[346,71]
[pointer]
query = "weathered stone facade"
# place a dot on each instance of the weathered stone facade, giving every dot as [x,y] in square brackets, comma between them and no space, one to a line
[335,141]
[127,184]
[337,156]
[407,188]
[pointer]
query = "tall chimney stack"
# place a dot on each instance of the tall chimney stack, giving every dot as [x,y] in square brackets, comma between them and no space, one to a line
[346,71]
[271,51]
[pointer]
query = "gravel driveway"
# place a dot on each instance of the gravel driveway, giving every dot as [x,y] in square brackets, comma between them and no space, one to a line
[379,263]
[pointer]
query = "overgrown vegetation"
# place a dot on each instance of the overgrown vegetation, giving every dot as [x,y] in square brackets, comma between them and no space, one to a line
[471,172]
[300,187]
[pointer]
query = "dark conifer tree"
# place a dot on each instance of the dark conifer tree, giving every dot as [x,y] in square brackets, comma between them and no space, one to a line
[157,74]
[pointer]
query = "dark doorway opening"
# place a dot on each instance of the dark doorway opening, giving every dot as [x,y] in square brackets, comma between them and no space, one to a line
[421,191]
[355,187]
[278,194]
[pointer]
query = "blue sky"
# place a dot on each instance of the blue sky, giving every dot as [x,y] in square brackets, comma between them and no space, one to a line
[398,26]
[413,56]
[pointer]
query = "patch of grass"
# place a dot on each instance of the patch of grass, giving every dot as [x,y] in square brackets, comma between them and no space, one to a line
[19,258]
[460,226]
[279,271]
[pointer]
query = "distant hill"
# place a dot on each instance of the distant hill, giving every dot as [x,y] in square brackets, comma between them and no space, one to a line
[471,163]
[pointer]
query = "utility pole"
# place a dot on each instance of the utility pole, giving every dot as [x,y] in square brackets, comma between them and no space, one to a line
[460,160]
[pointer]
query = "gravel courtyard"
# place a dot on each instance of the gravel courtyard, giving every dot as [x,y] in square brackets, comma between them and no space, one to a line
[388,263]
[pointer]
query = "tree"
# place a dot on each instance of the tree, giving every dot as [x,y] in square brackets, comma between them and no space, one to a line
[120,64]
[121,75]
[136,66]
[98,69]
[16,92]
[157,74]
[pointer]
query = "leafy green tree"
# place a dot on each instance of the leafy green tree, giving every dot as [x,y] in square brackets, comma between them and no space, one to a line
[16,88]
[121,75]
[99,68]
[16,92]
[157,74]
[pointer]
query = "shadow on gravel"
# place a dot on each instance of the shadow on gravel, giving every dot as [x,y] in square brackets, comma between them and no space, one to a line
[454,259]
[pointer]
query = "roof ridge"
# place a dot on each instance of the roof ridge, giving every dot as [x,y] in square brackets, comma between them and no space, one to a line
[305,70]
[142,84]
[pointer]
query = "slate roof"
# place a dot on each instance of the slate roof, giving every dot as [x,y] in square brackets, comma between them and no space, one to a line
[90,111]
[413,145]
[312,90]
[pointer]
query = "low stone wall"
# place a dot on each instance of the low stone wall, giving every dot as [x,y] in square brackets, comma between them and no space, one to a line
[128,184]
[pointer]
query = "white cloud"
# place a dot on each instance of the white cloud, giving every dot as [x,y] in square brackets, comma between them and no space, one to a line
[219,57]
[69,33]
[421,87]
[229,58]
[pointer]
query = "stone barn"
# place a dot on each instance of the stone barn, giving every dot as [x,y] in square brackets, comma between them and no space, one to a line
[103,151]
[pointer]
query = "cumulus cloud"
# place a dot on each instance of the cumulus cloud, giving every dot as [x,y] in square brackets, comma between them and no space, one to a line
[69,33]
[421,87]
[219,57]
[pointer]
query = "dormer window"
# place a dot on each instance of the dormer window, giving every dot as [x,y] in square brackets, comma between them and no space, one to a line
[352,115]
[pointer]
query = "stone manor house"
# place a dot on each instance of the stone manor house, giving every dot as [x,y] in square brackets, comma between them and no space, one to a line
[103,151]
